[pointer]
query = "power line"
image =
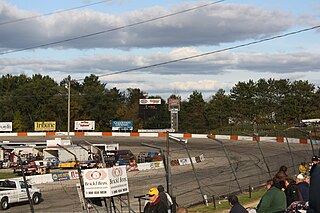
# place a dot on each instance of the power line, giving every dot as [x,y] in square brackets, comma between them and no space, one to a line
[212,52]
[51,13]
[110,30]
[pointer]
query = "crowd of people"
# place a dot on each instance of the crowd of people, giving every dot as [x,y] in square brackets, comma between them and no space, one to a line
[284,194]
[288,195]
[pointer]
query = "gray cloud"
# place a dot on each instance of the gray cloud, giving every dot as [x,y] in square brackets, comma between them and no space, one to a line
[209,65]
[222,24]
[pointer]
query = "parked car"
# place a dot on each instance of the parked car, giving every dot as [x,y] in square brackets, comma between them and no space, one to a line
[119,157]
[90,164]
[32,168]
[14,191]
[149,157]
[67,165]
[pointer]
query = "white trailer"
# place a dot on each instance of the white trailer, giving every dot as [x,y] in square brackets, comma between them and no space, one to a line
[63,155]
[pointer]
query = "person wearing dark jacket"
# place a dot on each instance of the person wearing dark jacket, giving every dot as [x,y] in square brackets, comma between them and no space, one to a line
[292,191]
[155,205]
[236,206]
[303,187]
[164,197]
[314,201]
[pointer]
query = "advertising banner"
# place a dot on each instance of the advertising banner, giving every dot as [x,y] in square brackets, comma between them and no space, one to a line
[60,176]
[105,182]
[45,126]
[149,101]
[122,125]
[84,125]
[5,126]
[174,104]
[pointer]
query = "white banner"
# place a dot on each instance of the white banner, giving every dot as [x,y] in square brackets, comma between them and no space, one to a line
[84,125]
[149,101]
[105,182]
[5,126]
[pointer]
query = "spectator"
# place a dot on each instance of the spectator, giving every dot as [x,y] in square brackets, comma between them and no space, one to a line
[307,179]
[155,205]
[236,206]
[274,200]
[269,184]
[314,201]
[303,168]
[165,197]
[292,192]
[281,177]
[315,161]
[182,210]
[283,169]
[303,187]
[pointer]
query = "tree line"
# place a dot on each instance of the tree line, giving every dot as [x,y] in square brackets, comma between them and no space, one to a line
[25,100]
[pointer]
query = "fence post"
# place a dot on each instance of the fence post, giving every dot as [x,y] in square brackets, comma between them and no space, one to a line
[250,190]
[214,202]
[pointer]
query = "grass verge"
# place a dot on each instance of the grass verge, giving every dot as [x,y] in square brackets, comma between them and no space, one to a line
[8,175]
[221,205]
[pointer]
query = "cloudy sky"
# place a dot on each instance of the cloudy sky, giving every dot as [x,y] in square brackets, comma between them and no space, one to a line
[108,38]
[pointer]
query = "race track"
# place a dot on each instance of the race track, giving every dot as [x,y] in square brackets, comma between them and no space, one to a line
[214,174]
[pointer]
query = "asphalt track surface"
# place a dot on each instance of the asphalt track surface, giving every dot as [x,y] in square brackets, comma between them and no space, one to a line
[214,173]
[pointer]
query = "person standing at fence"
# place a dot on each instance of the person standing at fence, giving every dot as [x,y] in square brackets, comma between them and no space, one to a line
[155,205]
[165,197]
[236,206]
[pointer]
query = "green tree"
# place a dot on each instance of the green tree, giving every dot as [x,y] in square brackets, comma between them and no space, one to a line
[192,115]
[243,102]
[218,110]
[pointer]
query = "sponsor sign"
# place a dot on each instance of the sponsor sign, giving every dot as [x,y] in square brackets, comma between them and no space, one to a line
[122,125]
[45,126]
[5,126]
[84,125]
[60,176]
[149,101]
[174,104]
[105,182]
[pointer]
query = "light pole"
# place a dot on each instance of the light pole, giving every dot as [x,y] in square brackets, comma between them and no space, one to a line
[69,97]
[184,144]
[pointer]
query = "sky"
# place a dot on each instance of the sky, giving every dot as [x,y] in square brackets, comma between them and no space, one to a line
[131,42]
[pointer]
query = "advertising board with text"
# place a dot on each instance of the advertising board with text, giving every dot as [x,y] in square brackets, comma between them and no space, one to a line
[5,126]
[149,101]
[84,125]
[45,126]
[105,182]
[122,125]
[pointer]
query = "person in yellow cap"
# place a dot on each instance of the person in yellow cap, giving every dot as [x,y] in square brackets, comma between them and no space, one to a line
[155,205]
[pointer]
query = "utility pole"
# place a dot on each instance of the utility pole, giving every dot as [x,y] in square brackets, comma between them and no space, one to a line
[69,101]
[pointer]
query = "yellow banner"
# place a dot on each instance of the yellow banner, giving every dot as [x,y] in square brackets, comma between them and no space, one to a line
[45,126]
